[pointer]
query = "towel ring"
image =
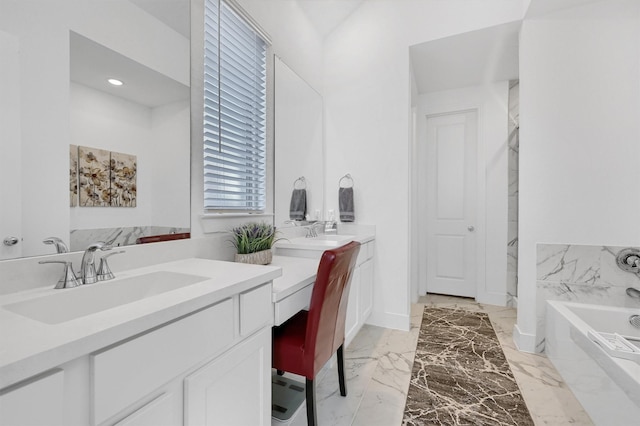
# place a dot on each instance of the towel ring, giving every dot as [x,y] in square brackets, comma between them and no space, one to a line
[302,180]
[348,178]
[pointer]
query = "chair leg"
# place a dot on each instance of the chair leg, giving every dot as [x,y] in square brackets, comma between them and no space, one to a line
[312,418]
[280,372]
[343,383]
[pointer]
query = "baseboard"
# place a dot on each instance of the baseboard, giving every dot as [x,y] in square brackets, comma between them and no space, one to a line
[496,299]
[524,342]
[390,320]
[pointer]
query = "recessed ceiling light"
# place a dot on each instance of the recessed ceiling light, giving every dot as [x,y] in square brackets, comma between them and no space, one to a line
[115,82]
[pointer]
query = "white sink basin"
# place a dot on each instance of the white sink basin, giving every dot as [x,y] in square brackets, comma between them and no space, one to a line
[69,304]
[333,237]
[320,242]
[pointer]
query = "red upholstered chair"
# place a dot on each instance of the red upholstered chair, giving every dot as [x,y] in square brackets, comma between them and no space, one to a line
[305,342]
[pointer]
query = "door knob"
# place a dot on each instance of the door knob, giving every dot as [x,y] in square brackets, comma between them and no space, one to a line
[471,228]
[10,241]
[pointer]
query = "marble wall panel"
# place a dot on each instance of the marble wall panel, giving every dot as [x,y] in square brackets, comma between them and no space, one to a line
[513,160]
[121,236]
[580,273]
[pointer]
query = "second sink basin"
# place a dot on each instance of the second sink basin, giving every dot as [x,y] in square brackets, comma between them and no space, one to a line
[333,237]
[69,304]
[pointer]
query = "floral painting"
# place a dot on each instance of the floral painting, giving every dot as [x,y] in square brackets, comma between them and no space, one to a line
[123,169]
[73,175]
[93,177]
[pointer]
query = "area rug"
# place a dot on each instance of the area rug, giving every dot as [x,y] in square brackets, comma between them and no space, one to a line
[460,375]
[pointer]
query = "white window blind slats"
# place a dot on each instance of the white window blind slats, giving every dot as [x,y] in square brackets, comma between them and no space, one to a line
[234,112]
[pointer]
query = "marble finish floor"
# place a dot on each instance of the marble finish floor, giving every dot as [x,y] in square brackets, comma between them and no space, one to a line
[378,367]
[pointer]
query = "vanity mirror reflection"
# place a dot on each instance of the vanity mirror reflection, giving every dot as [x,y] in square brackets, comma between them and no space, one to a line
[298,144]
[56,59]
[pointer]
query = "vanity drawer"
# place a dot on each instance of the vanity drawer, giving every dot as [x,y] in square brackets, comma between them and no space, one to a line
[255,309]
[39,401]
[291,305]
[125,373]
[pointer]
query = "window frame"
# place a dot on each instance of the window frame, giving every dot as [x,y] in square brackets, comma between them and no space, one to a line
[266,173]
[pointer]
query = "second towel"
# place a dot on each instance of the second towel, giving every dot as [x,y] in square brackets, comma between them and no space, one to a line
[298,206]
[345,202]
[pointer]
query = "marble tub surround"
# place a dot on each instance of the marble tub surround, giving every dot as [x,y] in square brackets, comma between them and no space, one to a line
[460,374]
[580,273]
[51,345]
[120,236]
[608,387]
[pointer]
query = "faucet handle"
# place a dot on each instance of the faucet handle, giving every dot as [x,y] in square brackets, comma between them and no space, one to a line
[104,272]
[68,279]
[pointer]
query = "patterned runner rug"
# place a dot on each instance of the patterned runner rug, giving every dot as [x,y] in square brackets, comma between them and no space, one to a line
[460,374]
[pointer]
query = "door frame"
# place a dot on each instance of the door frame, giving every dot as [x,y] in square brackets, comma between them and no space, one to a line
[433,110]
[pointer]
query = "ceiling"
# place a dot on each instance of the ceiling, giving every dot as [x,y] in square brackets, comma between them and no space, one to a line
[468,59]
[174,13]
[92,64]
[326,15]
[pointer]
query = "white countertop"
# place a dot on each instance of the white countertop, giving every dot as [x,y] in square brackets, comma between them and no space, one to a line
[29,347]
[321,242]
[297,273]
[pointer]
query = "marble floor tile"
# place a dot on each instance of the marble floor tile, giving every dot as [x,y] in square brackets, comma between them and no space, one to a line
[378,367]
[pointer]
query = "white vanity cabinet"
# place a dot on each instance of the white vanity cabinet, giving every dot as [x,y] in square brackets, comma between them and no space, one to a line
[360,293]
[207,361]
[212,364]
[36,402]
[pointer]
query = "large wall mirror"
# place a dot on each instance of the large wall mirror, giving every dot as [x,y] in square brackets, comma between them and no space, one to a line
[56,103]
[299,157]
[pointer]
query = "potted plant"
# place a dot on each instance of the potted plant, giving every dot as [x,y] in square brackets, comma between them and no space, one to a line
[253,242]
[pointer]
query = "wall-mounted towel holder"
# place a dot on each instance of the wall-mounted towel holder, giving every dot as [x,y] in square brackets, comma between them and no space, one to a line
[348,179]
[300,183]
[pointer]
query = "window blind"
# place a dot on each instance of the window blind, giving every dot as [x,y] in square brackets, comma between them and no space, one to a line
[234,112]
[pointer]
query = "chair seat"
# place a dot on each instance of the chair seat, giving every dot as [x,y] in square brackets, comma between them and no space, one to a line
[288,346]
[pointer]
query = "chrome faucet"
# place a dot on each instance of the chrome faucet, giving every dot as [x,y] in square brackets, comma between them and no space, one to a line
[311,230]
[629,260]
[60,246]
[88,267]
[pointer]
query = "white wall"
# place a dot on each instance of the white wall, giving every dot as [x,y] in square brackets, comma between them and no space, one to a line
[579,137]
[156,136]
[169,159]
[367,122]
[491,102]
[10,149]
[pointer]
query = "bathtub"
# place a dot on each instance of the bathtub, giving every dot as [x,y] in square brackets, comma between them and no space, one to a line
[607,387]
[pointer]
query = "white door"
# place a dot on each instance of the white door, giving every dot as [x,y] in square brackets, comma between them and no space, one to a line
[451,203]
[10,151]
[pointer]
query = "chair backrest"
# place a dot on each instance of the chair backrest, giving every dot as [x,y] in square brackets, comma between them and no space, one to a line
[328,307]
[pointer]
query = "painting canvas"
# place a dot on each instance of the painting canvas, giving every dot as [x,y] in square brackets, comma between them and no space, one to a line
[123,180]
[93,177]
[73,175]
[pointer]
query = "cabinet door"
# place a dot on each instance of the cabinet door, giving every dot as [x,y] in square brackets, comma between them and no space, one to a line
[366,290]
[233,389]
[162,411]
[353,308]
[39,402]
